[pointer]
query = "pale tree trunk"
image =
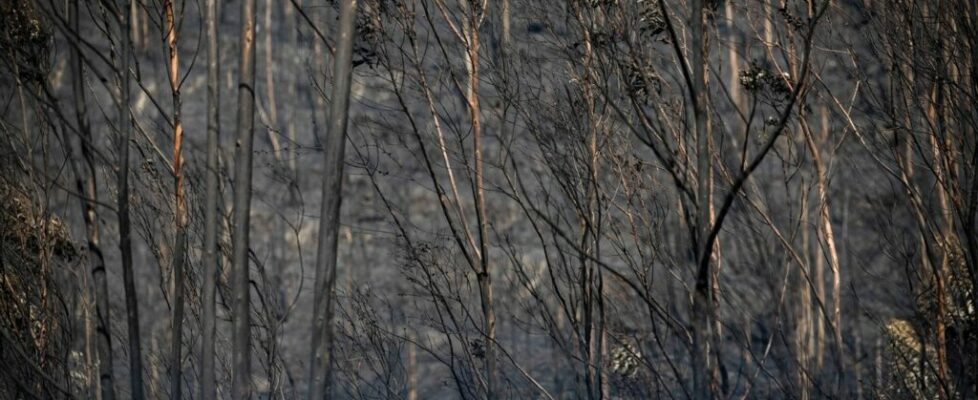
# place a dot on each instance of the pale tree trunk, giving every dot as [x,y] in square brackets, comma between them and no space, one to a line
[825,234]
[319,112]
[412,368]
[294,69]
[827,239]
[125,229]
[506,35]
[272,120]
[135,26]
[819,275]
[818,319]
[241,331]
[180,206]
[211,267]
[88,187]
[273,270]
[89,328]
[321,366]
[768,27]
[733,56]
[473,20]
[715,256]
[155,389]
[140,27]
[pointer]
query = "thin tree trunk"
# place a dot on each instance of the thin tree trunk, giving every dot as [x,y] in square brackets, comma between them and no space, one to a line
[703,387]
[272,110]
[824,227]
[857,369]
[154,374]
[241,335]
[506,34]
[412,368]
[180,207]
[484,278]
[803,307]
[125,229]
[733,56]
[321,367]
[89,328]
[319,112]
[593,283]
[134,30]
[294,70]
[87,179]
[87,294]
[211,268]
[274,273]
[818,319]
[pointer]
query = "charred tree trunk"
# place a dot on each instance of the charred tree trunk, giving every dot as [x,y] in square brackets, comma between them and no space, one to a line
[125,226]
[88,187]
[180,206]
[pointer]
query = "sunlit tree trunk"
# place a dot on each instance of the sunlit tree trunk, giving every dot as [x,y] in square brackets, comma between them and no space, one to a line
[180,206]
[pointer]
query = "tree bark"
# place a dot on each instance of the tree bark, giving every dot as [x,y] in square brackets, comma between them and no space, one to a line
[125,228]
[703,305]
[484,278]
[733,57]
[824,227]
[88,186]
[241,335]
[295,68]
[412,368]
[180,206]
[211,267]
[272,108]
[321,366]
